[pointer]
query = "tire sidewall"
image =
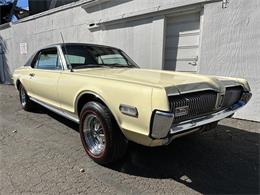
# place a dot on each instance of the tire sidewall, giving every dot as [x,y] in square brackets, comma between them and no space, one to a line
[94,108]
[20,96]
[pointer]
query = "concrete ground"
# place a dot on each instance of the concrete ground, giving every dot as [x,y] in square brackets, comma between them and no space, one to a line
[41,153]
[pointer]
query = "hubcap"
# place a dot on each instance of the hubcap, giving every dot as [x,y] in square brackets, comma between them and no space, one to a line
[23,97]
[94,134]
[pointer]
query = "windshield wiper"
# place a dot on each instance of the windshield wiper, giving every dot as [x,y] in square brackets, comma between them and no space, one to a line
[103,65]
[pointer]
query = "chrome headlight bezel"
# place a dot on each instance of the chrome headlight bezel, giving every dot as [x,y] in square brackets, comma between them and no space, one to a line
[161,124]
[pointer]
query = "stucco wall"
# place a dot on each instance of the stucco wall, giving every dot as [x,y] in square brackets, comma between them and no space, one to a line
[141,38]
[231,46]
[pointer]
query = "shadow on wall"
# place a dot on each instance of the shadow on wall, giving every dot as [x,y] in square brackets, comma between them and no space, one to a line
[5,76]
[105,5]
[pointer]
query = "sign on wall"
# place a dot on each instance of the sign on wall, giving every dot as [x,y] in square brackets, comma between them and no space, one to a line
[23,48]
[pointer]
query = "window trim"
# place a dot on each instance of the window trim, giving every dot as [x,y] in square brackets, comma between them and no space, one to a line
[35,60]
[129,60]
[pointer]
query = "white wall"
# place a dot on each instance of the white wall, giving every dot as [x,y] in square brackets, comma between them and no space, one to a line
[231,46]
[142,39]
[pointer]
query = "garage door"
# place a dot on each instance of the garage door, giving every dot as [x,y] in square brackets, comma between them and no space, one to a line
[182,42]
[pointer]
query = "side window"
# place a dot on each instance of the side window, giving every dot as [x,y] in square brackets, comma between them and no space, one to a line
[111,59]
[48,59]
[74,59]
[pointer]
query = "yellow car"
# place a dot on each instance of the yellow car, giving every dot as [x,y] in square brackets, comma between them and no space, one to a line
[115,101]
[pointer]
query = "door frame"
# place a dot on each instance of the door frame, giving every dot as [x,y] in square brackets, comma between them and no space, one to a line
[195,9]
[34,68]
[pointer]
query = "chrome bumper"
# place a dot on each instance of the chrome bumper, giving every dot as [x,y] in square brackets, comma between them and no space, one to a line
[163,125]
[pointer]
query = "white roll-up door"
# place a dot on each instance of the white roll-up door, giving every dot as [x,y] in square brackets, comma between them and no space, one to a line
[182,38]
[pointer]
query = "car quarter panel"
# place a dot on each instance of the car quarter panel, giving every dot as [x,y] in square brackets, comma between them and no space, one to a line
[21,74]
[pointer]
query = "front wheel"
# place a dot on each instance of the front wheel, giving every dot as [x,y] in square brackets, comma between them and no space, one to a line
[100,135]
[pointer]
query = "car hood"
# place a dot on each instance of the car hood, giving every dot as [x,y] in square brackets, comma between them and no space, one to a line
[170,80]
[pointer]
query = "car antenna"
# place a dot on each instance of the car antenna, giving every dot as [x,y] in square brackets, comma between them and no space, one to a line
[66,52]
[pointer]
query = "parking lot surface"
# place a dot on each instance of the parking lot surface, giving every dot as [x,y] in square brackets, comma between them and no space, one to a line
[41,153]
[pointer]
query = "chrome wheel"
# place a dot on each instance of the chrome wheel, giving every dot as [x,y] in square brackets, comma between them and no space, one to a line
[94,134]
[23,97]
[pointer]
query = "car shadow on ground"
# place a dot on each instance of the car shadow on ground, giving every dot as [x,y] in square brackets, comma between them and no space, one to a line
[41,110]
[224,160]
[221,161]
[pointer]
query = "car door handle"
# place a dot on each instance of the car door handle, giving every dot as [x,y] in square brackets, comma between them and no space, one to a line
[31,74]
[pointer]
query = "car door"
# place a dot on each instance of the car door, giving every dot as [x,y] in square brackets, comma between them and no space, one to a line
[45,75]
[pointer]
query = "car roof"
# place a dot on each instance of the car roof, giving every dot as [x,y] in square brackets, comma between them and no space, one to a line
[79,44]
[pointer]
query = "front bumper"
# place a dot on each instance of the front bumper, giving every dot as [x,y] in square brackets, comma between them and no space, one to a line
[163,123]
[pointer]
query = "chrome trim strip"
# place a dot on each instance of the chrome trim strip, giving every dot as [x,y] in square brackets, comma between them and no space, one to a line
[87,92]
[204,89]
[232,85]
[166,114]
[198,122]
[57,111]
[193,91]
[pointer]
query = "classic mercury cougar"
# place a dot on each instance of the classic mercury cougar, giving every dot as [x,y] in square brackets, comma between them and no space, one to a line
[115,101]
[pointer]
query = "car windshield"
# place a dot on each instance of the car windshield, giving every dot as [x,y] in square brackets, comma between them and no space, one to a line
[88,56]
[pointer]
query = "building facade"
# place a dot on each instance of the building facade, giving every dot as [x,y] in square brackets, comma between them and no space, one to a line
[206,36]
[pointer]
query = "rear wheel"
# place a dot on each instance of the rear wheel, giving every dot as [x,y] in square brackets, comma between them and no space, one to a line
[25,101]
[100,135]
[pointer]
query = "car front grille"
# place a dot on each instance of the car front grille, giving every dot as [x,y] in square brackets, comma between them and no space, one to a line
[197,104]
[232,96]
[193,105]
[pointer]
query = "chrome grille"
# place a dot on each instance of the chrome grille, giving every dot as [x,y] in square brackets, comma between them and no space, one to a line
[232,95]
[198,104]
